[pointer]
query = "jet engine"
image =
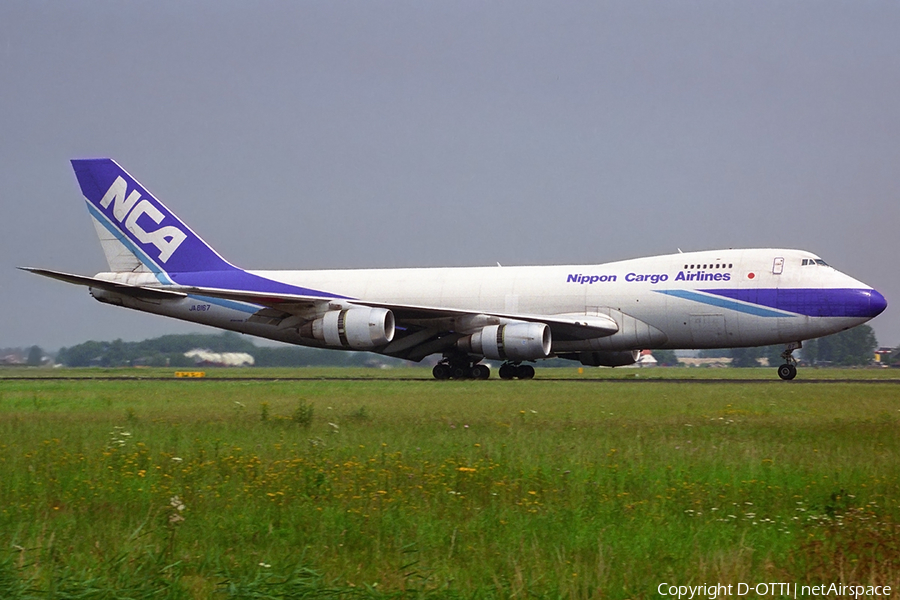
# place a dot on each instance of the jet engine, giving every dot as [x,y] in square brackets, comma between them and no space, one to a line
[514,341]
[608,359]
[360,328]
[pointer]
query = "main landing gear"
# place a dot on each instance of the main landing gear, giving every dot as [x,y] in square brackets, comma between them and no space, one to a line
[457,368]
[516,371]
[788,370]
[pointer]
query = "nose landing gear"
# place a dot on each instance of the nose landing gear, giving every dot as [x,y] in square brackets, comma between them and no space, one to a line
[788,370]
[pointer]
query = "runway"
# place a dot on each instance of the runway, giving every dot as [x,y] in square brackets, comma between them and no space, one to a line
[536,380]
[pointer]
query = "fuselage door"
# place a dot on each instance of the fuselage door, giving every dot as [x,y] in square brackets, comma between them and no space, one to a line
[778,266]
[708,331]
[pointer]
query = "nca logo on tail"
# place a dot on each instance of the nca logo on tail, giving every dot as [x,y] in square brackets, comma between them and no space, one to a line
[130,208]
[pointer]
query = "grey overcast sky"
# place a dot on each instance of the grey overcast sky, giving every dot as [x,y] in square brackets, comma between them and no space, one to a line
[389,134]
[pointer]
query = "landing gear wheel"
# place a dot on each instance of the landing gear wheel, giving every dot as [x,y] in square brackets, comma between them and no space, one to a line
[441,371]
[460,366]
[480,372]
[787,371]
[459,371]
[526,372]
[508,371]
[514,371]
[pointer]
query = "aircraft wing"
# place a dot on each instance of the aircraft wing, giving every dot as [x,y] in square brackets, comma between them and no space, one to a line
[423,330]
[562,326]
[440,320]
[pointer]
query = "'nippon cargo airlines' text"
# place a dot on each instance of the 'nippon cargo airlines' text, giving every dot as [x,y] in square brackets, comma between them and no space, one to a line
[651,278]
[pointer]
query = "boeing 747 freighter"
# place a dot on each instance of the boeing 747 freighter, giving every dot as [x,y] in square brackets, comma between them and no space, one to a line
[599,315]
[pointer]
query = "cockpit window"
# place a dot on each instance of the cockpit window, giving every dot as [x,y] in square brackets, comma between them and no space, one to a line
[814,261]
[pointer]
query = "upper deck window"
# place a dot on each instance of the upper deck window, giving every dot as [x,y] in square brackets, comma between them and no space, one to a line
[713,266]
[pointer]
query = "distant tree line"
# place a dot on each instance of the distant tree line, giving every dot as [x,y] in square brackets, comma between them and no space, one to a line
[169,350]
[852,348]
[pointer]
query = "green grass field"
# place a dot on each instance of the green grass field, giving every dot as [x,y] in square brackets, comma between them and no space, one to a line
[388,488]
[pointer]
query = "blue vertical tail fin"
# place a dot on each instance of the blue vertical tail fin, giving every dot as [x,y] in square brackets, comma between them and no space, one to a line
[137,231]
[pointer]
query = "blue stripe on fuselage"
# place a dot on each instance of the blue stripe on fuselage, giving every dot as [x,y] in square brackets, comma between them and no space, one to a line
[787,302]
[703,298]
[241,281]
[244,307]
[812,302]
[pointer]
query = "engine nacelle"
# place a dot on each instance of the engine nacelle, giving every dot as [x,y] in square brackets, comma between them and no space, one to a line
[359,328]
[515,341]
[609,359]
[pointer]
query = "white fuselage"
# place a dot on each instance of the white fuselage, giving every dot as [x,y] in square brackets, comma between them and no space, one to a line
[669,301]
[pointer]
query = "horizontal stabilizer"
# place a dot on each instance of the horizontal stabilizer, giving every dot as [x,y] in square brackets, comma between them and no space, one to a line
[119,288]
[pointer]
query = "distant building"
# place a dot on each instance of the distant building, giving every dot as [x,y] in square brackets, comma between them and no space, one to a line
[646,359]
[884,356]
[12,359]
[207,358]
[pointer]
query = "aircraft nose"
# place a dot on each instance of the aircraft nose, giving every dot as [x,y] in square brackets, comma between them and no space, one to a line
[857,302]
[877,304]
[861,302]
